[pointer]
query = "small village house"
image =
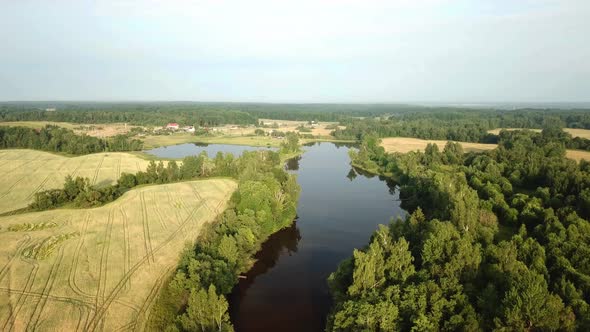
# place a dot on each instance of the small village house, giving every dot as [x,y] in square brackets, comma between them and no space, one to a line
[172,126]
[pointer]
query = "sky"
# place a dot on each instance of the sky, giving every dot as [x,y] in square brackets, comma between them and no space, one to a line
[296,51]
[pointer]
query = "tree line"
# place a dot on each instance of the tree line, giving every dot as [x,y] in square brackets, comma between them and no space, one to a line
[57,139]
[265,202]
[494,241]
[467,126]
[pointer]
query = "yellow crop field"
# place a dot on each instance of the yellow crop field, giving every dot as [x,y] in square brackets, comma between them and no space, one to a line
[583,133]
[100,269]
[497,130]
[405,144]
[25,172]
[578,155]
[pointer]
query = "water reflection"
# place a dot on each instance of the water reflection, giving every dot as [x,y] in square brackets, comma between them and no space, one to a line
[351,174]
[283,242]
[293,164]
[338,211]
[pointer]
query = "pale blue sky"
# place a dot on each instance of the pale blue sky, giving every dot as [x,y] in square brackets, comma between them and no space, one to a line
[296,51]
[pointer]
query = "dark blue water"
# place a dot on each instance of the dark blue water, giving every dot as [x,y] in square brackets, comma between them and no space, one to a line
[339,209]
[193,149]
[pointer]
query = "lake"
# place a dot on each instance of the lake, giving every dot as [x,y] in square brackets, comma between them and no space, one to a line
[339,208]
[193,149]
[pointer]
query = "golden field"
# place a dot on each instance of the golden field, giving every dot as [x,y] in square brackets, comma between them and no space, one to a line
[25,172]
[405,144]
[100,269]
[583,133]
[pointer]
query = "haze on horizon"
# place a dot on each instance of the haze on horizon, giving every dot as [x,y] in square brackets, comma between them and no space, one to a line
[296,51]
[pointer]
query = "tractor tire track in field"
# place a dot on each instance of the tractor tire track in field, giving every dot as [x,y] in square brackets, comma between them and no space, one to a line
[147,241]
[75,261]
[153,294]
[80,318]
[40,306]
[159,214]
[39,187]
[77,169]
[17,252]
[12,186]
[126,249]
[83,306]
[64,299]
[200,198]
[21,299]
[102,267]
[100,312]
[171,200]
[95,177]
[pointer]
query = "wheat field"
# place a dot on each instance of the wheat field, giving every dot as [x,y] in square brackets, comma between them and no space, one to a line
[100,269]
[583,133]
[405,145]
[25,172]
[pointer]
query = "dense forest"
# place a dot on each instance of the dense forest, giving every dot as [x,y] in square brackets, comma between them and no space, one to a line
[201,114]
[56,139]
[444,122]
[495,241]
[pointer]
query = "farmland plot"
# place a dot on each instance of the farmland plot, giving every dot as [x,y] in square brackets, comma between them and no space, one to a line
[25,172]
[100,269]
[406,144]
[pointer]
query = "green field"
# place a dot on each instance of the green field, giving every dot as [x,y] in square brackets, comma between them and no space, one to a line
[25,172]
[100,269]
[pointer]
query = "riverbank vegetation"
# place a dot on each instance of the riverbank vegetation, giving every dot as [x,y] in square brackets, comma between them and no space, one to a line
[265,202]
[495,241]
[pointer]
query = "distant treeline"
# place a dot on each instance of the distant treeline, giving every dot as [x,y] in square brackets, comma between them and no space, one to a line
[56,139]
[475,121]
[467,125]
[136,115]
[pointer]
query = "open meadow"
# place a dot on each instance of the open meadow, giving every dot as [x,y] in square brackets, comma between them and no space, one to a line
[100,269]
[26,172]
[405,144]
